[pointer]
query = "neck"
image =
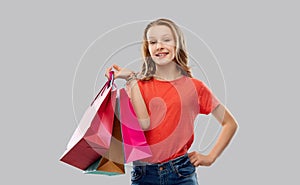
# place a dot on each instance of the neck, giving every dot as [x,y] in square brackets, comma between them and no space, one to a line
[167,72]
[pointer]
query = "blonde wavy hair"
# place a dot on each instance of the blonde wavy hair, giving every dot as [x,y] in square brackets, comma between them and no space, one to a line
[181,57]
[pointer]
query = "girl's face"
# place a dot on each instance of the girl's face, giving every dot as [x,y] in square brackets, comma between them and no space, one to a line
[161,44]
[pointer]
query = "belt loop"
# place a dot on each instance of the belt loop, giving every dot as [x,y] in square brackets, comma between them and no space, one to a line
[144,169]
[172,165]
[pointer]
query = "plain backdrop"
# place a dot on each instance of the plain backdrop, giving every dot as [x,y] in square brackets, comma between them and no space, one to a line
[53,54]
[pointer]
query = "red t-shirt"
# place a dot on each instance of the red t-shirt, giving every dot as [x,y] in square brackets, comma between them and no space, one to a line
[173,107]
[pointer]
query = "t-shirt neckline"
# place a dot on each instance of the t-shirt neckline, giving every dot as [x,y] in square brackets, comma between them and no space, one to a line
[168,81]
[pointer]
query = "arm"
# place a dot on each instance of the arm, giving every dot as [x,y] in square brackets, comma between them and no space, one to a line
[229,127]
[135,95]
[138,104]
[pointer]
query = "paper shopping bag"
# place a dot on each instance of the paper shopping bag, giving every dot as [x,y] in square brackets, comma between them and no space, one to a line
[92,137]
[135,144]
[112,162]
[105,166]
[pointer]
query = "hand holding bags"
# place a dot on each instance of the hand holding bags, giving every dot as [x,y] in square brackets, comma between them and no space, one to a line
[92,137]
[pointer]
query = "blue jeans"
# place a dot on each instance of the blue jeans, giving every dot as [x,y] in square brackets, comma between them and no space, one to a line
[177,171]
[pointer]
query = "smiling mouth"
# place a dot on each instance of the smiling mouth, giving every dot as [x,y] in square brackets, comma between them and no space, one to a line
[162,54]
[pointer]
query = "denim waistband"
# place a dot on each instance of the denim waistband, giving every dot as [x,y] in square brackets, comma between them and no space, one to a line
[167,167]
[173,161]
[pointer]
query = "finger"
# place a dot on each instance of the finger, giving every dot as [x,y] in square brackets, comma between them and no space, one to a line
[191,154]
[194,163]
[118,68]
[107,72]
[193,159]
[197,163]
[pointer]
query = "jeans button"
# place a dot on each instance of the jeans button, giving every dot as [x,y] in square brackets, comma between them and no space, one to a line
[161,168]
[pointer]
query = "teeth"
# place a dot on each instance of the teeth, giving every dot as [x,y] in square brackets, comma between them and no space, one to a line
[161,54]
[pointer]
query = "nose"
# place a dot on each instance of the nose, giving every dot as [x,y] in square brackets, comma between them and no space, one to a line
[159,45]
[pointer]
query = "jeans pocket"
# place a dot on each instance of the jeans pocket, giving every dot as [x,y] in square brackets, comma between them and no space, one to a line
[186,169]
[136,173]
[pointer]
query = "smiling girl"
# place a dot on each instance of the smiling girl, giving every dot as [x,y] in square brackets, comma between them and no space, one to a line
[167,99]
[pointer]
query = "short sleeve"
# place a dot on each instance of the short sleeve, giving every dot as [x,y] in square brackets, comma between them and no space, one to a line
[207,100]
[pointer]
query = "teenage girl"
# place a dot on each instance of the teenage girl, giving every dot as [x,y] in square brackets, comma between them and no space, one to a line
[167,99]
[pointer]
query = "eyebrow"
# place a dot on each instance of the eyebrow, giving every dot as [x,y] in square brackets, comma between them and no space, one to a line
[150,37]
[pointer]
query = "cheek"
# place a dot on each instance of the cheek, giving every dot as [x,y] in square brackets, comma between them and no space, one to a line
[151,50]
[171,47]
[173,50]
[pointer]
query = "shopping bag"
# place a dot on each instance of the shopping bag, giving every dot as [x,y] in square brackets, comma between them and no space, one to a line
[92,137]
[135,144]
[128,141]
[112,162]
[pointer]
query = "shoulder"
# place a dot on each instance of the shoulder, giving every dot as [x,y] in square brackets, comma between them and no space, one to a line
[198,83]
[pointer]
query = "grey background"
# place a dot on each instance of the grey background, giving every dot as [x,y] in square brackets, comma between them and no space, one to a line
[256,44]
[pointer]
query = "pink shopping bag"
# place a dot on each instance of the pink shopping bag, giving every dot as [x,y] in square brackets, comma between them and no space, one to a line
[93,135]
[135,144]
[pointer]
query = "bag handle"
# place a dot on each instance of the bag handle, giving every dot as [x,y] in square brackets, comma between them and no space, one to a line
[111,78]
[108,84]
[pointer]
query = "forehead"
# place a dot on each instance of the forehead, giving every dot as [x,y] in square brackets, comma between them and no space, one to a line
[159,31]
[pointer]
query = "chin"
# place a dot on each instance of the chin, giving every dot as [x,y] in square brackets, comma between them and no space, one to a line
[162,62]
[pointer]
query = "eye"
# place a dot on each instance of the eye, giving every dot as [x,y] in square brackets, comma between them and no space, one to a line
[152,42]
[167,40]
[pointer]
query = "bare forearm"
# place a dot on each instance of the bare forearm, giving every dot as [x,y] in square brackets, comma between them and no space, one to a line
[138,104]
[229,127]
[228,131]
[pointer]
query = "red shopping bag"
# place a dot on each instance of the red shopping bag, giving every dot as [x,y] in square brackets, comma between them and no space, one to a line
[92,137]
[135,144]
